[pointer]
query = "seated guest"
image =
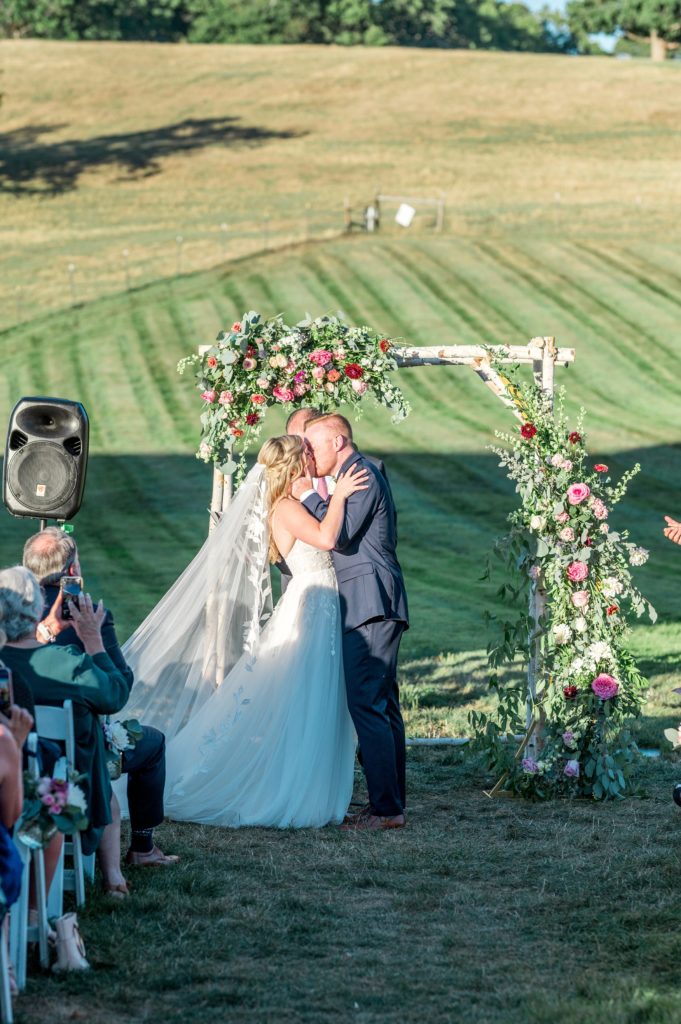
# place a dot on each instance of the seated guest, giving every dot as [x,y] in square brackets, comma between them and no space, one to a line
[50,555]
[55,674]
[13,733]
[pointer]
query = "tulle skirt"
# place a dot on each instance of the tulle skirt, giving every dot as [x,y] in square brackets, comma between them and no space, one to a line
[274,744]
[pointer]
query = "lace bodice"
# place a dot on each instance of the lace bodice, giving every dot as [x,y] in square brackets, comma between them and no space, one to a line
[303,559]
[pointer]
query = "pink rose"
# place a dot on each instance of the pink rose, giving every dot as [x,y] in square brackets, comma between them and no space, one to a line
[529,766]
[567,464]
[360,386]
[577,571]
[208,396]
[249,363]
[580,598]
[300,376]
[605,687]
[577,493]
[226,398]
[599,509]
[283,394]
[571,769]
[258,399]
[321,356]
[318,373]
[562,517]
[567,533]
[300,389]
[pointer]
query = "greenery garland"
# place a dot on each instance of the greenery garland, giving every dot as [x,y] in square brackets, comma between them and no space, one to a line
[259,364]
[560,542]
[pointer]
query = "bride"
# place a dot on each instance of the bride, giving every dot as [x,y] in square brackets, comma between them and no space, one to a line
[253,706]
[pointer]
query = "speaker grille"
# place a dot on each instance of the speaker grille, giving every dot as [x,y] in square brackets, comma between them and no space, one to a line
[42,475]
[73,445]
[17,440]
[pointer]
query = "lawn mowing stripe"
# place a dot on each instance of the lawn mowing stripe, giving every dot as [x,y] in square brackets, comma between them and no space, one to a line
[624,268]
[620,348]
[479,301]
[636,329]
[413,270]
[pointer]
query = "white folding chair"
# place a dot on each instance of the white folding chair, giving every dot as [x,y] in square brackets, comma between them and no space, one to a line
[21,931]
[6,1013]
[55,723]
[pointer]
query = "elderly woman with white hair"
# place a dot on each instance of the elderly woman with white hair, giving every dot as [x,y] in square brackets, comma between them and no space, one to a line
[54,674]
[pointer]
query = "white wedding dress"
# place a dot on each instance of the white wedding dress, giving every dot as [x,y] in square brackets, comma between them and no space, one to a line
[253,706]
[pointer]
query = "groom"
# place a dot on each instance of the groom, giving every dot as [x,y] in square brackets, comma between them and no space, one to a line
[374,615]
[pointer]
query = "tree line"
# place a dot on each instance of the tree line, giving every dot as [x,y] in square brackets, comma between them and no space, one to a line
[468,24]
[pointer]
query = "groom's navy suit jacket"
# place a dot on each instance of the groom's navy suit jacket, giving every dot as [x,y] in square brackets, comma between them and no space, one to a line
[370,581]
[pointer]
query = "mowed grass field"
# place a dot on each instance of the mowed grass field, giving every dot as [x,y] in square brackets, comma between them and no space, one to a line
[145,510]
[108,148]
[494,912]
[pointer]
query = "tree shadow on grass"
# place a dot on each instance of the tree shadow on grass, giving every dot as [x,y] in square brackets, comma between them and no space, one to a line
[32,163]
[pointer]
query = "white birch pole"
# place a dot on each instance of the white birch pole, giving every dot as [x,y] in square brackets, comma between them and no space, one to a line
[543,370]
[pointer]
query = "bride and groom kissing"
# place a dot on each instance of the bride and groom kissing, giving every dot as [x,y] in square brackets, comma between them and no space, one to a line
[262,712]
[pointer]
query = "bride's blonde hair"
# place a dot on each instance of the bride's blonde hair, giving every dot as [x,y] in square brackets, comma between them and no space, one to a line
[284,461]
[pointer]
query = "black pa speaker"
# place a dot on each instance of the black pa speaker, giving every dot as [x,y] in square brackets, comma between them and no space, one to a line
[45,458]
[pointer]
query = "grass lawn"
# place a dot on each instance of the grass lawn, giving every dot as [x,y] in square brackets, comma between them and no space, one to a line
[562,183]
[493,912]
[114,147]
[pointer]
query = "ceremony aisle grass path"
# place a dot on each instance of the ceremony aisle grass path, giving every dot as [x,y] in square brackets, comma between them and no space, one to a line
[484,911]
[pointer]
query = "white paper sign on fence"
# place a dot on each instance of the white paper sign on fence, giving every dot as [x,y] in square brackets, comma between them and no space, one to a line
[405,215]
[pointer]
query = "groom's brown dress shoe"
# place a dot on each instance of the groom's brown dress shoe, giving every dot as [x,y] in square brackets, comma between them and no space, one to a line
[364,812]
[154,859]
[375,823]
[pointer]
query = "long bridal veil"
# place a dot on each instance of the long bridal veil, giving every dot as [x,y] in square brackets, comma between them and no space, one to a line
[210,617]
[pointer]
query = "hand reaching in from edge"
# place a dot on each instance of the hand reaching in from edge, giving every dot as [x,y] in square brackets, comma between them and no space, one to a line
[354,480]
[19,724]
[673,530]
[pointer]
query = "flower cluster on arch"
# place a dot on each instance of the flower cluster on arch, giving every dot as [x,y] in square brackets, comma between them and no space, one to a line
[562,544]
[258,364]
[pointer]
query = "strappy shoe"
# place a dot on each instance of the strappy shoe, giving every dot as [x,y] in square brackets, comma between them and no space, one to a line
[70,946]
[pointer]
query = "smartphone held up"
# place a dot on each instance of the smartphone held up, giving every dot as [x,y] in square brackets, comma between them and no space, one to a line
[71,588]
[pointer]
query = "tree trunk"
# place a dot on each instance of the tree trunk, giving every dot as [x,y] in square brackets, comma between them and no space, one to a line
[658,47]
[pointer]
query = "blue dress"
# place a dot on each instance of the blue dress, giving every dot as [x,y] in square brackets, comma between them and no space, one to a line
[10,871]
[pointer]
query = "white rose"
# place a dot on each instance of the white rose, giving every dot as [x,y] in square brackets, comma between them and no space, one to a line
[557,460]
[638,556]
[612,587]
[119,736]
[562,633]
[599,651]
[537,523]
[580,625]
[76,798]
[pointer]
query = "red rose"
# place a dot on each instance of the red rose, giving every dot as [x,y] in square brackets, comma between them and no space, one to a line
[252,419]
[354,371]
[589,543]
[251,351]
[236,327]
[600,468]
[528,430]
[384,345]
[211,362]
[613,609]
[574,437]
[570,692]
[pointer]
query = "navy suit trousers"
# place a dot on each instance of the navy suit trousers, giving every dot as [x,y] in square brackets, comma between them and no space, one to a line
[370,662]
[145,766]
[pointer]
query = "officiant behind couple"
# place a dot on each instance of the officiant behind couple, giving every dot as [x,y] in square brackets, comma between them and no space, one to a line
[262,711]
